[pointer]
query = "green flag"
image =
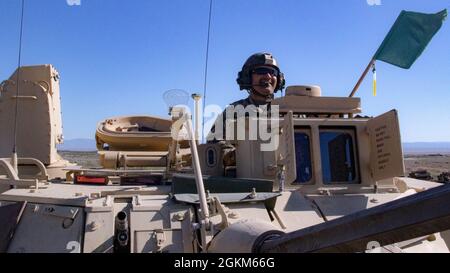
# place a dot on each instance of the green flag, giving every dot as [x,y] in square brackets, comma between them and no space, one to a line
[408,37]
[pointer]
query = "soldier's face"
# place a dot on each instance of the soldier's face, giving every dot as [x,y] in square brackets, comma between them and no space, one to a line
[264,79]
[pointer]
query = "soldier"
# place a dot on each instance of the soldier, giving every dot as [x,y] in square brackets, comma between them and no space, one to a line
[262,78]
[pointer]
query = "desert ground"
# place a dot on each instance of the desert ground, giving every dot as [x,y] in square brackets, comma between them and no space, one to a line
[85,159]
[435,164]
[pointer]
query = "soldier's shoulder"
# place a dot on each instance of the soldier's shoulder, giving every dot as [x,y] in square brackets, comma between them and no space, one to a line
[243,102]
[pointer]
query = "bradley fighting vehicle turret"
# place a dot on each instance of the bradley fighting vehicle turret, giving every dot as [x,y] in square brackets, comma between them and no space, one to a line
[324,180]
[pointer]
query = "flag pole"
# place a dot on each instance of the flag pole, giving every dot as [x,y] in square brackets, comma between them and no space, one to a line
[362,77]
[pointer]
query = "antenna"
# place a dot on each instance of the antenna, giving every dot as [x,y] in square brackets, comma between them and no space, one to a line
[206,69]
[14,152]
[197,98]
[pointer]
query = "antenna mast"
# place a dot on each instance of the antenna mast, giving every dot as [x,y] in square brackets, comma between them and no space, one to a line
[14,152]
[206,69]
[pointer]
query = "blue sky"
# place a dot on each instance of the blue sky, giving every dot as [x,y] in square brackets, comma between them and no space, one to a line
[118,57]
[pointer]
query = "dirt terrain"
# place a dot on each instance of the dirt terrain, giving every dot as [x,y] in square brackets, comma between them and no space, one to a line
[85,159]
[435,164]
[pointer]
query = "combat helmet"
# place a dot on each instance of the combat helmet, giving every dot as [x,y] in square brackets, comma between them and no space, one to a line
[244,78]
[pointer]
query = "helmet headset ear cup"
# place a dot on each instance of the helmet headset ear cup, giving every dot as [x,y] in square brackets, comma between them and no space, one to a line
[243,81]
[281,82]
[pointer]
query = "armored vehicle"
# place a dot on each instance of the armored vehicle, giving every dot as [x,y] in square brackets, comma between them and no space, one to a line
[326,179]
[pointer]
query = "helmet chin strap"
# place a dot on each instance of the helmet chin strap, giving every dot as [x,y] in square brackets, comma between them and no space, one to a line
[261,97]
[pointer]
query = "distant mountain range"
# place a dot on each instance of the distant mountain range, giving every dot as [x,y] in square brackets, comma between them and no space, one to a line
[84,145]
[426,147]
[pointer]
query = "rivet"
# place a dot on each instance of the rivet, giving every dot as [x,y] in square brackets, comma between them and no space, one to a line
[179,217]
